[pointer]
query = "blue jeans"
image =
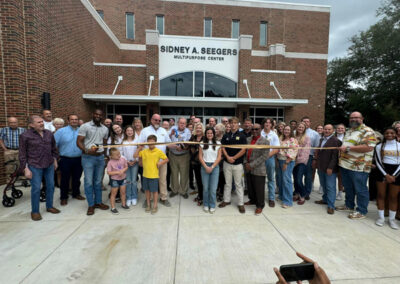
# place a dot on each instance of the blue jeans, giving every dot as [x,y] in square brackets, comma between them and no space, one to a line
[131,182]
[299,172]
[210,184]
[37,176]
[278,178]
[308,181]
[270,165]
[355,183]
[93,167]
[328,184]
[286,181]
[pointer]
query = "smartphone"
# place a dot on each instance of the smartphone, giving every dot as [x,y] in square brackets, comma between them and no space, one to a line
[299,271]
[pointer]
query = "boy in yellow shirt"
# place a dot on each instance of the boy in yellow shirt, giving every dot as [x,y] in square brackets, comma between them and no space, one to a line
[151,159]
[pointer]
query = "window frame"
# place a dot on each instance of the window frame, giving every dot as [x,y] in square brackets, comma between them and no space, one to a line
[266,33]
[163,23]
[126,25]
[101,14]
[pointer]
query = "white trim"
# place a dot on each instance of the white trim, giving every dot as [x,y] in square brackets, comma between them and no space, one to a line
[259,4]
[132,46]
[304,55]
[193,101]
[118,64]
[100,21]
[201,37]
[262,53]
[273,71]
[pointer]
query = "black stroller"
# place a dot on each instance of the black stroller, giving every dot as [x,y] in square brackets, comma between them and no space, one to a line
[12,186]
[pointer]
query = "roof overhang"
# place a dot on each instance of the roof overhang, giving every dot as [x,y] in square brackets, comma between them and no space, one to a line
[193,101]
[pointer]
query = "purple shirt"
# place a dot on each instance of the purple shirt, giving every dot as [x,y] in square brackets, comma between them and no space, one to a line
[37,151]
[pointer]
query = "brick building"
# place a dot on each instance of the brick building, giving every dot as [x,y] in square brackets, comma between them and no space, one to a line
[177,57]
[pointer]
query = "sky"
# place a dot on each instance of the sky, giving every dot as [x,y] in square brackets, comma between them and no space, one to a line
[348,18]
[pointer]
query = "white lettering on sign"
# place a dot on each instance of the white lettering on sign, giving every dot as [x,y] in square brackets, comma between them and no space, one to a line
[178,54]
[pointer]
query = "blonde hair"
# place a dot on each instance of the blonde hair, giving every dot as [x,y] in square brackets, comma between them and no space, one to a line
[195,126]
[220,127]
[137,119]
[301,138]
[58,121]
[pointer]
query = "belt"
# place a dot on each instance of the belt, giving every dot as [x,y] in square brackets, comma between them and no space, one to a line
[65,157]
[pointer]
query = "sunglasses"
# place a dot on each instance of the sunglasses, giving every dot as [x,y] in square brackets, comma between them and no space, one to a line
[255,129]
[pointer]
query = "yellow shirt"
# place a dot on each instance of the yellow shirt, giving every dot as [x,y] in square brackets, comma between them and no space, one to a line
[150,158]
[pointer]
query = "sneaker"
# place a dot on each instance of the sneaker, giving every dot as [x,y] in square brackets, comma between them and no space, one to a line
[114,211]
[128,203]
[133,202]
[356,215]
[154,210]
[165,203]
[148,209]
[393,224]
[380,222]
[339,196]
[343,208]
[205,209]
[126,207]
[212,210]
[186,196]
[320,190]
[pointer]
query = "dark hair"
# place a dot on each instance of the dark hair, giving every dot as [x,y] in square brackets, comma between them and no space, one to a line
[126,136]
[152,137]
[265,120]
[113,134]
[248,119]
[112,150]
[69,116]
[214,139]
[291,135]
[384,140]
[292,121]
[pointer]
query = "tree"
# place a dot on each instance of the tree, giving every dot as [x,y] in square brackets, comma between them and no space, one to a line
[368,80]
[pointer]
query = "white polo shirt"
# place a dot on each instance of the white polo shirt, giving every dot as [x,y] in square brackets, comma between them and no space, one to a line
[271,137]
[161,133]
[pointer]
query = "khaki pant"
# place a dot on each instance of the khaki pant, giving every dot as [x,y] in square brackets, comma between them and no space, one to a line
[162,182]
[10,155]
[179,165]
[235,172]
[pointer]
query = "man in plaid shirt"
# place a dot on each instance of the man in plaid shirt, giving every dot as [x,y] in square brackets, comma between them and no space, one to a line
[9,141]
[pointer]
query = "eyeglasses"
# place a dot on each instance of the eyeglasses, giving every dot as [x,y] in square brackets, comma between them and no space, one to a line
[156,119]
[224,121]
[255,129]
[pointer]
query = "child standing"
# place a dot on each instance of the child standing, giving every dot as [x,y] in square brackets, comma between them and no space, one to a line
[133,166]
[151,159]
[116,168]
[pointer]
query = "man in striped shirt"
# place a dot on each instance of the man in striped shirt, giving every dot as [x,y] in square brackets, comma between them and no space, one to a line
[9,141]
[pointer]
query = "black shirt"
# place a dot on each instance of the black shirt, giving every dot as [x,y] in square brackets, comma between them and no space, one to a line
[247,134]
[237,138]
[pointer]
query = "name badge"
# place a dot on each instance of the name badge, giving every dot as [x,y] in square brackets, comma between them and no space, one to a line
[237,138]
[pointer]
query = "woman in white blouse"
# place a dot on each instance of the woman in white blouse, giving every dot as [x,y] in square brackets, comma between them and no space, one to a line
[209,157]
[133,166]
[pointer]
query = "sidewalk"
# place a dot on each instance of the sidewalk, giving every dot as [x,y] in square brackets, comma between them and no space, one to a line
[182,244]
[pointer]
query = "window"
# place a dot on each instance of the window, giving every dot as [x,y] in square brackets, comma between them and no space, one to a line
[101,13]
[130,25]
[235,28]
[198,84]
[128,112]
[208,27]
[258,114]
[263,33]
[160,24]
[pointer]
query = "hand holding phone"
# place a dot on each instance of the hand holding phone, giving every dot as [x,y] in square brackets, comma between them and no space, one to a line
[298,271]
[319,277]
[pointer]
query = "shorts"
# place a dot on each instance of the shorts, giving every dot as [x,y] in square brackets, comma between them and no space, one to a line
[389,169]
[117,183]
[150,184]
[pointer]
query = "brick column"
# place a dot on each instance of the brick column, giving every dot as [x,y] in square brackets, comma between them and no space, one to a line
[152,39]
[245,45]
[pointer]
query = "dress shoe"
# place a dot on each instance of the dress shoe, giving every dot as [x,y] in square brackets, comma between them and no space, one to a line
[101,206]
[321,202]
[241,209]
[301,201]
[296,197]
[63,202]
[53,210]
[79,197]
[258,211]
[330,211]
[248,203]
[90,211]
[271,203]
[307,197]
[36,216]
[223,204]
[173,194]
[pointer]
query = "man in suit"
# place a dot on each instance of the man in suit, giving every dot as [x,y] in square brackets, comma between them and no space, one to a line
[326,161]
[256,171]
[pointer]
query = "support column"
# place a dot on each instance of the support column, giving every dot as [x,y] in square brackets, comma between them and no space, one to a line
[245,45]
[152,40]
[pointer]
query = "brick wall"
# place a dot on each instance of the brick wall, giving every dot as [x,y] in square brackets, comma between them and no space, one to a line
[132,83]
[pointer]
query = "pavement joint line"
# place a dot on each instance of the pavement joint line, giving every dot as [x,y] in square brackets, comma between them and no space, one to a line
[56,248]
[279,232]
[177,238]
[376,229]
[374,278]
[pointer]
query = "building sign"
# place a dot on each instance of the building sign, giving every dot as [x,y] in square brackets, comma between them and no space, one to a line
[178,54]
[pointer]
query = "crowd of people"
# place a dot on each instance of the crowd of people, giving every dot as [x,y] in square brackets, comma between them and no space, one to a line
[282,163]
